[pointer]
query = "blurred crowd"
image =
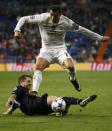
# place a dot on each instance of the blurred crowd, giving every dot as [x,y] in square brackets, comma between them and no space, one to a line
[92,14]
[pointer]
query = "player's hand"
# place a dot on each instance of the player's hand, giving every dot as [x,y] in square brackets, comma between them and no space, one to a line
[106,38]
[9,111]
[5,113]
[17,34]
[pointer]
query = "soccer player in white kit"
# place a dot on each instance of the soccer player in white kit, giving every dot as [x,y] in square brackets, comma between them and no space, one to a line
[53,27]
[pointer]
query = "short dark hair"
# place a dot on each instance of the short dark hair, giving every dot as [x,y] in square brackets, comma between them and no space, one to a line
[56,8]
[23,77]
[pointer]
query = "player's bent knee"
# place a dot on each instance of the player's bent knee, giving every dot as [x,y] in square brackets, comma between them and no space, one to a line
[70,67]
[39,68]
[50,99]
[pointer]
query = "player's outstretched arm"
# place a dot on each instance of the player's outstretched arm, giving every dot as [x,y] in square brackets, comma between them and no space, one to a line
[80,29]
[93,35]
[11,106]
[89,33]
[27,19]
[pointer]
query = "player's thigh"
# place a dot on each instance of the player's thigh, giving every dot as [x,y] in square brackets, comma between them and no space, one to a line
[45,54]
[41,63]
[68,63]
[65,59]
[50,99]
[43,59]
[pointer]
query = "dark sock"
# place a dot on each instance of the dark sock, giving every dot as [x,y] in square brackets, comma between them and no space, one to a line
[71,100]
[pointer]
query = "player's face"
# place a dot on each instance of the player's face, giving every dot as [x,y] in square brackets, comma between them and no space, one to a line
[55,16]
[27,82]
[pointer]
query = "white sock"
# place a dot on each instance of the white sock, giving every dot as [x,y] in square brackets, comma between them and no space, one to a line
[37,78]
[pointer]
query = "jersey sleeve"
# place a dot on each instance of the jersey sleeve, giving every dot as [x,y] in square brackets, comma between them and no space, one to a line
[90,33]
[72,26]
[77,28]
[28,19]
[17,91]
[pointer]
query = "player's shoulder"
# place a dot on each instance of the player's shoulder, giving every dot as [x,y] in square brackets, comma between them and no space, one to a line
[65,18]
[14,90]
[44,15]
[17,88]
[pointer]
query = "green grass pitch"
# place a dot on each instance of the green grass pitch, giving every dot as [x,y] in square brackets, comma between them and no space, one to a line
[96,116]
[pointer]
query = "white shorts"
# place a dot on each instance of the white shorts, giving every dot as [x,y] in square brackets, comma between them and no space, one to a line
[54,55]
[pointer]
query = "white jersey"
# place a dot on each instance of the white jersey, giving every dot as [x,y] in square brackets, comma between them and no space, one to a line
[53,35]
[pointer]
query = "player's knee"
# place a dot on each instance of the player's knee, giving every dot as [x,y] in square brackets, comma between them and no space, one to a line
[39,67]
[70,67]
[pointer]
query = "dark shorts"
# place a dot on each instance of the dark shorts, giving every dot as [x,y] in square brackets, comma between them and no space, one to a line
[45,109]
[39,106]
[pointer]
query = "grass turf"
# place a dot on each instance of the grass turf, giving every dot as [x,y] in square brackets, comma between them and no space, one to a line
[96,116]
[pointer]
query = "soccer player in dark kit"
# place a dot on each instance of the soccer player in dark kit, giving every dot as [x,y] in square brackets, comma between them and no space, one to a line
[38,105]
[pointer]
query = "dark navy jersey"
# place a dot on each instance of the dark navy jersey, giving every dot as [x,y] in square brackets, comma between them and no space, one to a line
[31,105]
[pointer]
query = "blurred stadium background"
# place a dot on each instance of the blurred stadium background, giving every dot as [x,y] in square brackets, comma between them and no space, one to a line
[95,15]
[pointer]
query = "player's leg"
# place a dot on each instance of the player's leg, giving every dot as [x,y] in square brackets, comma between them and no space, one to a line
[50,100]
[88,99]
[70,101]
[59,113]
[40,65]
[76,101]
[42,61]
[66,60]
[69,64]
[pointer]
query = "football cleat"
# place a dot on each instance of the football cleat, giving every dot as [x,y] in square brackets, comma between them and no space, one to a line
[85,101]
[75,84]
